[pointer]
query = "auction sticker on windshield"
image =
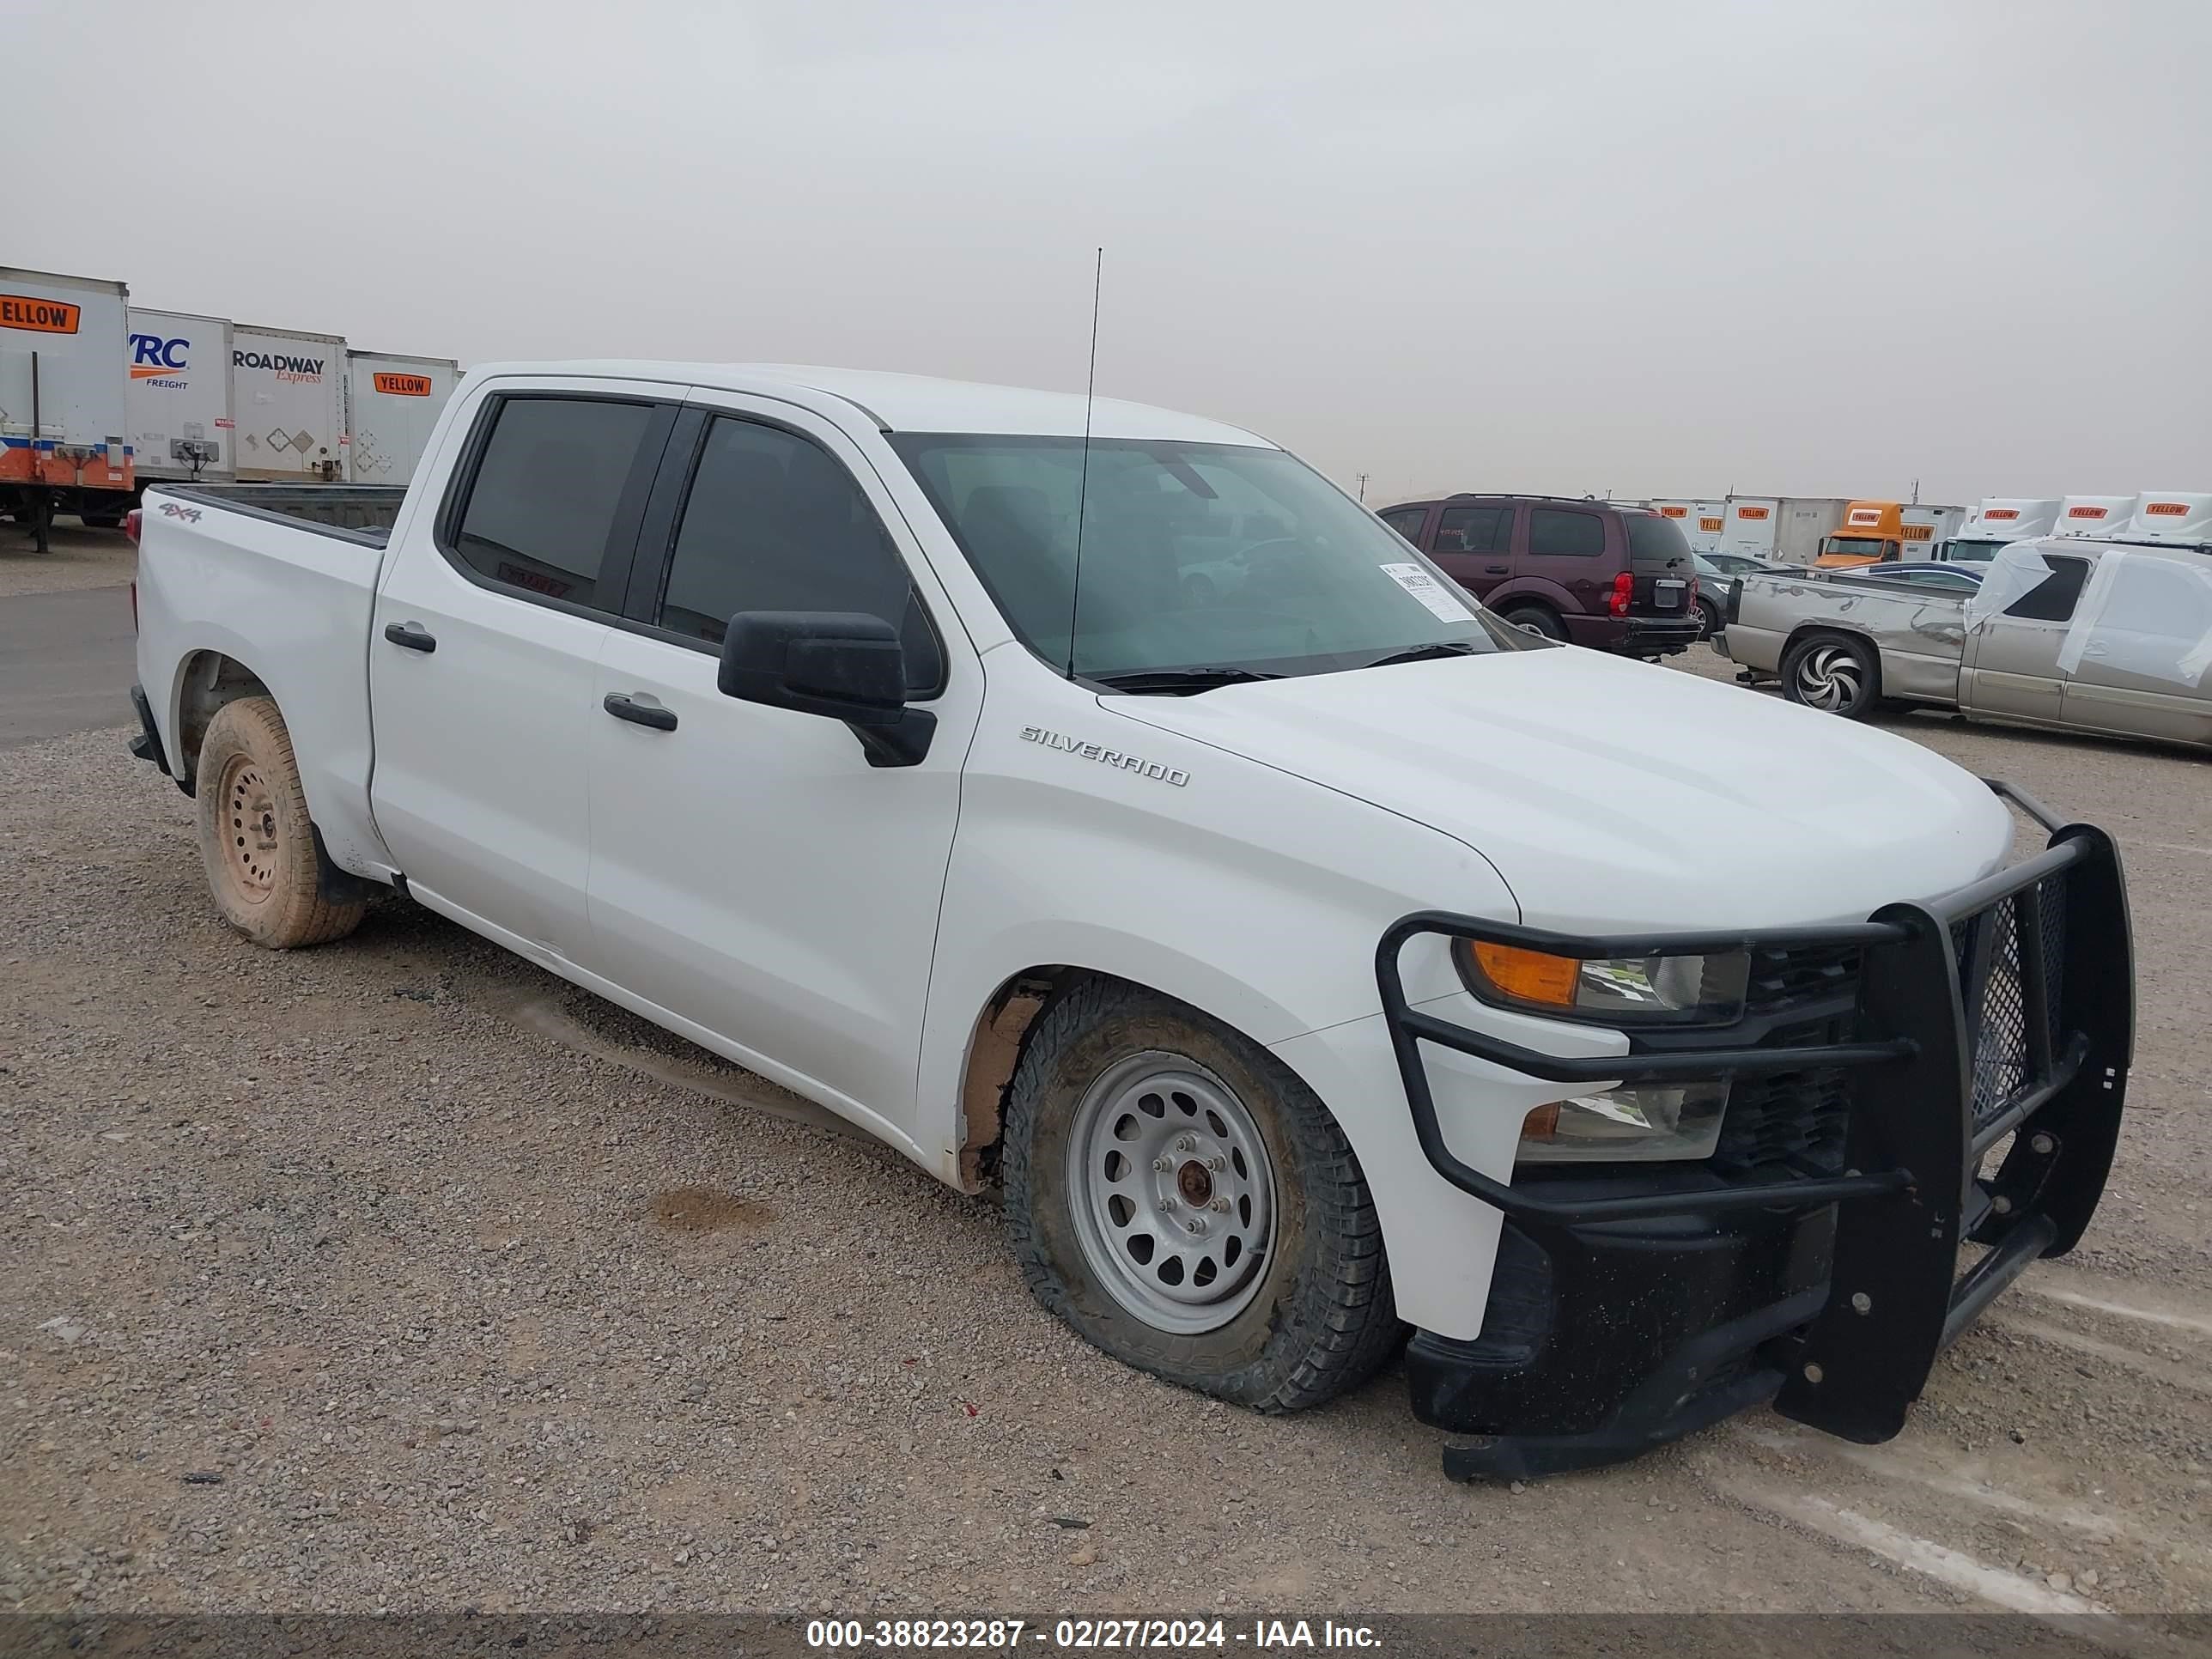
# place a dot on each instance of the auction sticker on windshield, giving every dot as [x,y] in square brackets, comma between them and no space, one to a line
[1434,596]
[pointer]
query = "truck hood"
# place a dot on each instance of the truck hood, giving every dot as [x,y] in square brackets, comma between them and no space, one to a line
[1611,795]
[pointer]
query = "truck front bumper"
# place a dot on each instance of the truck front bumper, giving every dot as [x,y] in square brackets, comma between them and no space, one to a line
[1990,1027]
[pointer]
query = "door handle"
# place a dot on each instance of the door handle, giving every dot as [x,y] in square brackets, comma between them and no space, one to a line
[410,635]
[1499,569]
[618,704]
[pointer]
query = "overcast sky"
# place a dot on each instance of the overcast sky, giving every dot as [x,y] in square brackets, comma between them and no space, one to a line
[1811,249]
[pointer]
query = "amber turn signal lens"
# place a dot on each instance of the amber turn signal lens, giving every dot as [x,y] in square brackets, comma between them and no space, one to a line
[1528,975]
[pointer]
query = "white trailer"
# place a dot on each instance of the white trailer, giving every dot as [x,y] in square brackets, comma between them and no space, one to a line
[1782,529]
[64,434]
[1701,522]
[178,396]
[392,403]
[1923,529]
[287,395]
[2093,516]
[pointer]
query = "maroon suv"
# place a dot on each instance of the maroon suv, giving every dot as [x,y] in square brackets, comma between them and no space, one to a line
[1618,578]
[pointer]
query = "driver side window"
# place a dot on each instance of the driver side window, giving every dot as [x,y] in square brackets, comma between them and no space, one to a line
[773,522]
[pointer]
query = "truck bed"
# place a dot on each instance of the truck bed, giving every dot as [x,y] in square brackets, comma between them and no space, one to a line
[362,513]
[274,584]
[1920,637]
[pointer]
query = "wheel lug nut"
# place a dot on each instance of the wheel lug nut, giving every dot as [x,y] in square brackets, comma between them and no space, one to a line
[1167,1207]
[1217,1162]
[1220,1204]
[1196,1224]
[1185,1142]
[1164,1164]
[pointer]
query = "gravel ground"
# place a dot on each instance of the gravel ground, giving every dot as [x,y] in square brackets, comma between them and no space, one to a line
[398,1275]
[80,558]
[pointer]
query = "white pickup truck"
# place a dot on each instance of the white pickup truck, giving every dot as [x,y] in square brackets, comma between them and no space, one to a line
[1304,960]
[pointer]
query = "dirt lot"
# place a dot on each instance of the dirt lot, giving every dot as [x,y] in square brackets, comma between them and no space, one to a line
[78,558]
[397,1274]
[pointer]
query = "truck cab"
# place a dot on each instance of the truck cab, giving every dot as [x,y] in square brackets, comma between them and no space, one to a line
[1997,520]
[1872,532]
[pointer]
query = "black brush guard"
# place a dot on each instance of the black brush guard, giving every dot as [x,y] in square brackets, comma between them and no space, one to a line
[2005,1008]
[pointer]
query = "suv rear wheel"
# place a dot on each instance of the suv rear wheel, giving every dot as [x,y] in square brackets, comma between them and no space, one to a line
[1181,1200]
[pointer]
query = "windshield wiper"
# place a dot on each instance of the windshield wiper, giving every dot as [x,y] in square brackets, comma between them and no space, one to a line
[1425,653]
[1180,682]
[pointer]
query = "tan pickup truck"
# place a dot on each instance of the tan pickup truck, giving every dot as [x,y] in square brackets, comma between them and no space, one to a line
[2073,635]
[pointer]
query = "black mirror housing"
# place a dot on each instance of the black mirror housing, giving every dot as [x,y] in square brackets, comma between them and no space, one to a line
[844,665]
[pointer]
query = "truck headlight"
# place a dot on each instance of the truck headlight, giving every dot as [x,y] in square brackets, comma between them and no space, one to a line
[1608,990]
[1654,1121]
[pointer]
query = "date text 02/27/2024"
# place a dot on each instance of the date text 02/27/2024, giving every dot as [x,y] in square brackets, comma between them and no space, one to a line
[1007,1635]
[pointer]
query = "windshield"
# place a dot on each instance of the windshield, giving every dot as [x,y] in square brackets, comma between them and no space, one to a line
[1861,546]
[1972,552]
[1194,555]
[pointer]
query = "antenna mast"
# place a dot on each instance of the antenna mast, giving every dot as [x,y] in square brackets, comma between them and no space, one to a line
[1082,488]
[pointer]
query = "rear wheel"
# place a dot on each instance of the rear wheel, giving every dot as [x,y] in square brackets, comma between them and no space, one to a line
[1176,1196]
[1834,673]
[269,875]
[1543,620]
[1708,619]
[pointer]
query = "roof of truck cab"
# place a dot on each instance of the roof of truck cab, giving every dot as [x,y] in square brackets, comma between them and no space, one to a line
[914,403]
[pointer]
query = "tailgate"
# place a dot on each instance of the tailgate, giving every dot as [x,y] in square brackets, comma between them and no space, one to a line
[1665,576]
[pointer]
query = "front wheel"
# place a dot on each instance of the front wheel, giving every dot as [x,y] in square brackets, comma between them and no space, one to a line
[1832,673]
[1181,1200]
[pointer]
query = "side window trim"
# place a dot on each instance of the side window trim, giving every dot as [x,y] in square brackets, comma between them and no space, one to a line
[618,556]
[662,522]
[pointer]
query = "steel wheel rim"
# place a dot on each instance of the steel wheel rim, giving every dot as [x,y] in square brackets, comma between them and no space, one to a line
[1134,1218]
[1829,677]
[249,829]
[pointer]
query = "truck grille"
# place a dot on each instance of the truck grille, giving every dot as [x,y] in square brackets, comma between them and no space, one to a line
[1997,1006]
[1793,1121]
[1799,1121]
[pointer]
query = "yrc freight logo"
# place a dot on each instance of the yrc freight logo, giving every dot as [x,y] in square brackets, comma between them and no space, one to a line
[159,361]
[285,367]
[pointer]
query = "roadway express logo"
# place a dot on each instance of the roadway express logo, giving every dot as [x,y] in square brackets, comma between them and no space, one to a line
[306,370]
[404,386]
[158,360]
[38,316]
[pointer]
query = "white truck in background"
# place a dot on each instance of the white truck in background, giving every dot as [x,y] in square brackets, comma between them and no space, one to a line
[288,396]
[1994,520]
[1297,961]
[178,396]
[65,429]
[2093,516]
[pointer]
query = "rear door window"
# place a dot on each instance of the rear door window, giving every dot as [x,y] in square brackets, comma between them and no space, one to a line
[1560,532]
[550,506]
[1475,529]
[2052,599]
[1407,521]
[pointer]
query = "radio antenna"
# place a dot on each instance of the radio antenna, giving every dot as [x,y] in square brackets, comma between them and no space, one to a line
[1083,485]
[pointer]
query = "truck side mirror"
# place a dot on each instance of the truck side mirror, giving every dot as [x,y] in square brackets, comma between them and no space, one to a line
[844,665]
